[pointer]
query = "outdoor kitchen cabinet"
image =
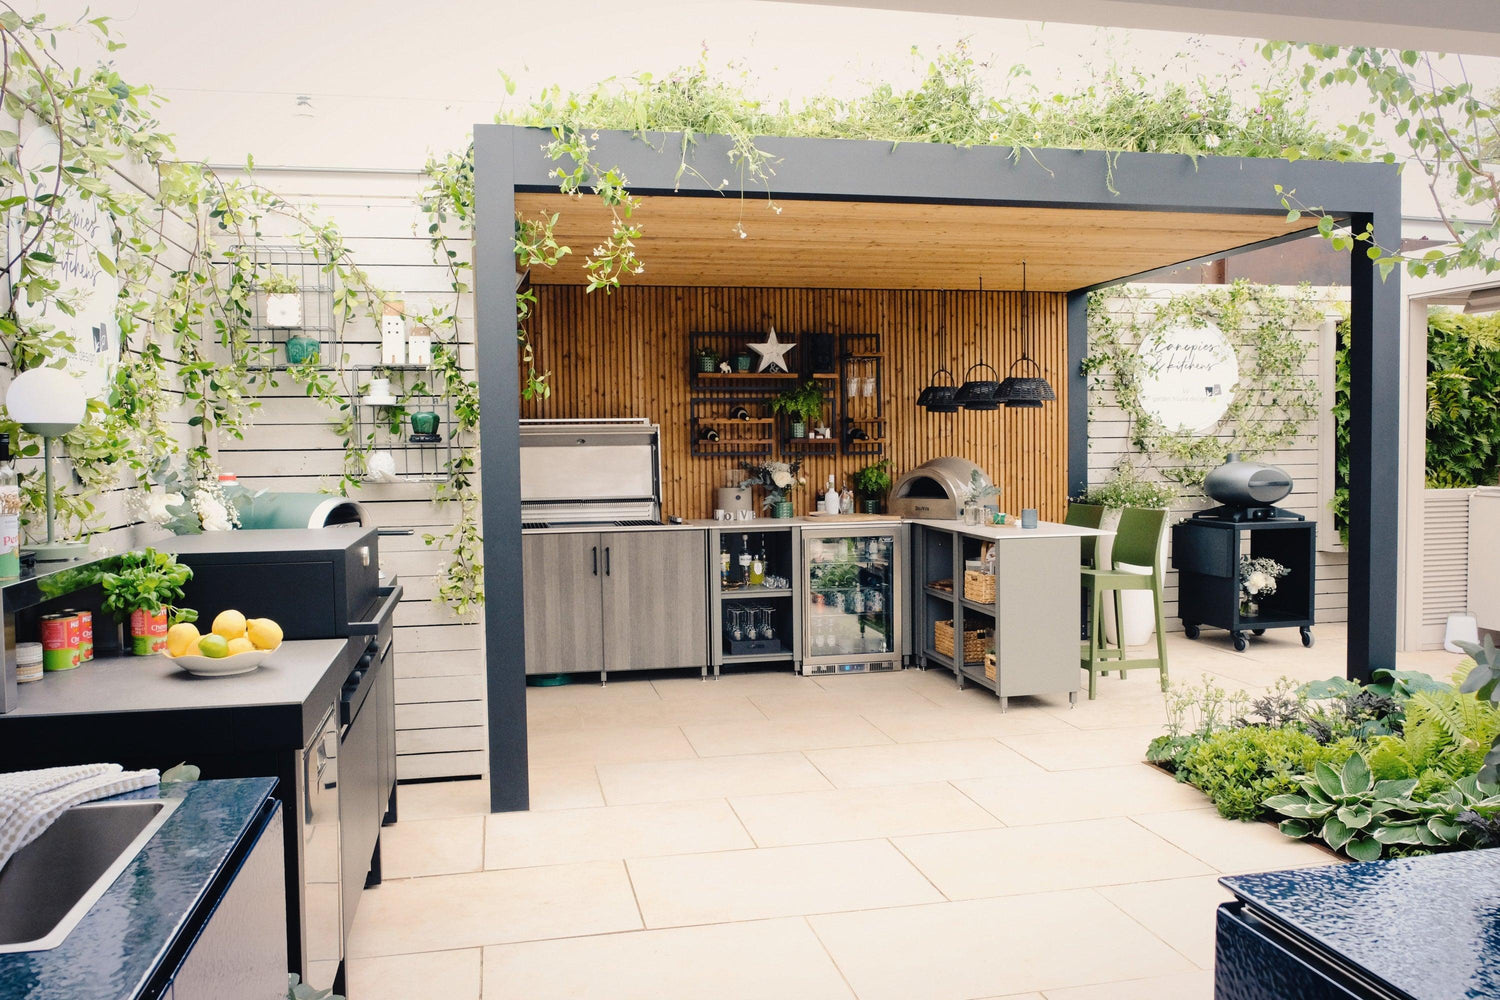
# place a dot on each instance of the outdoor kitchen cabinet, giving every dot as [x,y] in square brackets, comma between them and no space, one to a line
[615,600]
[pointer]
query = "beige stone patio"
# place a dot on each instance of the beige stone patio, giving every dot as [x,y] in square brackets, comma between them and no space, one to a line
[883,837]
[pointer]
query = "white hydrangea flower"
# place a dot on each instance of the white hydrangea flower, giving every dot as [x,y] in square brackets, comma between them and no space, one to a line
[157,504]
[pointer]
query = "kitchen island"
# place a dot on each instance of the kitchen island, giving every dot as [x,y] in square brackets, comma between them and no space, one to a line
[292,719]
[1029,617]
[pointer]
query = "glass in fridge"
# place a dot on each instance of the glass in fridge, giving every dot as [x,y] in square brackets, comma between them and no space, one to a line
[853,597]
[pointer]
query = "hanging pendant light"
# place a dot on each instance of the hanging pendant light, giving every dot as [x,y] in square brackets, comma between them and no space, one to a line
[979,393]
[938,398]
[1025,391]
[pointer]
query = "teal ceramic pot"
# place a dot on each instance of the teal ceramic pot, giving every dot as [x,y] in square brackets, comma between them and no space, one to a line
[799,429]
[742,363]
[782,508]
[708,362]
[424,422]
[301,350]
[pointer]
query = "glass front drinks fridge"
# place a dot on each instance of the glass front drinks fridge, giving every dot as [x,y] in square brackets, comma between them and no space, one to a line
[853,600]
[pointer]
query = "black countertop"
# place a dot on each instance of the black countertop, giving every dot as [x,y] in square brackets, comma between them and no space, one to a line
[1427,928]
[118,945]
[277,706]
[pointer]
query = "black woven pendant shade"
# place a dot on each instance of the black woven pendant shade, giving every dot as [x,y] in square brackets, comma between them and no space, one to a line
[1025,391]
[979,393]
[938,396]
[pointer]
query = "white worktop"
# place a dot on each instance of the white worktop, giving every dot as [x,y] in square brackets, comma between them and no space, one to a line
[1009,532]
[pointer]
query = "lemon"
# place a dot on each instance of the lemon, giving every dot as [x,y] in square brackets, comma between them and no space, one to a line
[265,633]
[240,645]
[229,624]
[214,646]
[193,648]
[180,637]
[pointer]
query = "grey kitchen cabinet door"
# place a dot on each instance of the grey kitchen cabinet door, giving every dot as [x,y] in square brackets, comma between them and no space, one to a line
[561,575]
[655,599]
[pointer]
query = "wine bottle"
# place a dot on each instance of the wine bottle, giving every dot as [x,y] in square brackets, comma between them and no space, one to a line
[758,567]
[744,559]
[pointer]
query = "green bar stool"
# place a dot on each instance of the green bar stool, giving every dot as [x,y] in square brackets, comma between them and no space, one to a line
[1085,515]
[1138,542]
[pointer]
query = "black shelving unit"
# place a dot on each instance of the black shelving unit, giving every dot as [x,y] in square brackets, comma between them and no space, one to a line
[1206,554]
[717,432]
[860,359]
[265,343]
[387,427]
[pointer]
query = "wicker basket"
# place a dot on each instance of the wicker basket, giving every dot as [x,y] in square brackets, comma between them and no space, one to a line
[989,665]
[975,642]
[979,587]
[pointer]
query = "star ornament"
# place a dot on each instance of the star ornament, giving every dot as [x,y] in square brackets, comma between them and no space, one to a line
[772,353]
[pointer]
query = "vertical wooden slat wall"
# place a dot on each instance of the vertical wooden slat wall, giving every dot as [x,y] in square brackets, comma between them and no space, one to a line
[625,354]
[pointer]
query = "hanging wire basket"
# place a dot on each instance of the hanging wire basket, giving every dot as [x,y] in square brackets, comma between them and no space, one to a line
[939,398]
[979,394]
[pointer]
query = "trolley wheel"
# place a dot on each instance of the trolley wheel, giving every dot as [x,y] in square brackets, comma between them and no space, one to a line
[1191,631]
[1257,631]
[1240,642]
[1307,638]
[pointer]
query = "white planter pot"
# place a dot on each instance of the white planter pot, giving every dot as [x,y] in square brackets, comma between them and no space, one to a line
[284,309]
[1135,605]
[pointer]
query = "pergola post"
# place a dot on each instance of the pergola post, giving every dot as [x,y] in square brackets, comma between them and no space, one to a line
[498,369]
[1374,445]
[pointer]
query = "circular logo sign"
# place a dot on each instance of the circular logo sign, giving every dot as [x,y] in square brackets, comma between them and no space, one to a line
[1190,377]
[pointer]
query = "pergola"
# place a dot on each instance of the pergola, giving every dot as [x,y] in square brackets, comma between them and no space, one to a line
[1083,221]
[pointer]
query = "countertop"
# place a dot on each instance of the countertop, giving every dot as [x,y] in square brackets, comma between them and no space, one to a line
[1009,532]
[121,941]
[1428,928]
[295,685]
[754,524]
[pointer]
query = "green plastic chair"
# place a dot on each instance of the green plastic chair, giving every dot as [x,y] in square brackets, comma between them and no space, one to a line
[1137,542]
[1086,515]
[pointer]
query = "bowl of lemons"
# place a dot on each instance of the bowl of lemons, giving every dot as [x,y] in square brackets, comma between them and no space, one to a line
[235,645]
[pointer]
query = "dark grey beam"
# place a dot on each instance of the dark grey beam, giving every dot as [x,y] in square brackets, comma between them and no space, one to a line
[1374,445]
[498,371]
[1076,386]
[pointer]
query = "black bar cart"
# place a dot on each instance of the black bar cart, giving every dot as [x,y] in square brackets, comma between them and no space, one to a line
[1206,551]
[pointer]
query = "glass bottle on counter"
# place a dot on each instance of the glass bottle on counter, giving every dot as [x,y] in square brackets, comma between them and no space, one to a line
[723,561]
[758,567]
[846,500]
[745,559]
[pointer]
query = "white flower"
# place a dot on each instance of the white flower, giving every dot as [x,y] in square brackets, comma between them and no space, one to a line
[1257,582]
[781,478]
[1211,141]
[211,512]
[157,504]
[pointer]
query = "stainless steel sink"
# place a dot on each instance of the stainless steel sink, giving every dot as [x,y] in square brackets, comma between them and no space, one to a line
[48,886]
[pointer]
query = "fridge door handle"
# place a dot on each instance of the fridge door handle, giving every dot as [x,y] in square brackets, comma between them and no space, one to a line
[596,560]
[606,560]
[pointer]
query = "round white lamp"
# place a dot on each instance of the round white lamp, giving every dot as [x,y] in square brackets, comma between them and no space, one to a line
[48,402]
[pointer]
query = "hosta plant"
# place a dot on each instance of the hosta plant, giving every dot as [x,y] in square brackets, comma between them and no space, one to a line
[1456,814]
[1484,682]
[1351,811]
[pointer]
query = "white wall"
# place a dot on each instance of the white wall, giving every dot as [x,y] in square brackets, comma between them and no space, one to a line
[1310,470]
[292,446]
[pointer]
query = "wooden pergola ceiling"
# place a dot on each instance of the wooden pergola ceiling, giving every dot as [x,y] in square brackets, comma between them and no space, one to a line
[861,244]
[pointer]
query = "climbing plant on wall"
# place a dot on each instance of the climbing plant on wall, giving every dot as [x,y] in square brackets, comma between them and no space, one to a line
[169,239]
[1266,327]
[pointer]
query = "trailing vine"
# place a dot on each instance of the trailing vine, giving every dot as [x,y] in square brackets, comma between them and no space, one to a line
[1274,400]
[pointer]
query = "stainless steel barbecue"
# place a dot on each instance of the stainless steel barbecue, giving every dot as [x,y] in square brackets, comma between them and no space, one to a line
[590,472]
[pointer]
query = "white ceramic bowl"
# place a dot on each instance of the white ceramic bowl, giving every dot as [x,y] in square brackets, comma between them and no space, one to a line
[223,666]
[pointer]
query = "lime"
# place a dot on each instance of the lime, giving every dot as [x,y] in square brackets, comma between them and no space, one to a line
[215,646]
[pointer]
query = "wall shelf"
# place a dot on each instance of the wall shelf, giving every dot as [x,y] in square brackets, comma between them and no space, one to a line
[387,427]
[861,367]
[265,343]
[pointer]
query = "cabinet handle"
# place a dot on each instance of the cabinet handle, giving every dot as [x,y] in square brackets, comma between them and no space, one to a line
[596,560]
[606,560]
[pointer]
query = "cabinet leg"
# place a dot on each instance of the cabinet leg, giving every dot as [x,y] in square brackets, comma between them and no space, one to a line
[1004,704]
[603,677]
[1072,699]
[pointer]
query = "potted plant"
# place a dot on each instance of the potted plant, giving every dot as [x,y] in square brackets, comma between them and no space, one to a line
[872,482]
[1257,581]
[742,362]
[1128,488]
[707,358]
[778,479]
[801,405]
[974,497]
[140,588]
[283,300]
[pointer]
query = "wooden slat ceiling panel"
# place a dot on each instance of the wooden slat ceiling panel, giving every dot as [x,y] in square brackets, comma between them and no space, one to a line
[842,244]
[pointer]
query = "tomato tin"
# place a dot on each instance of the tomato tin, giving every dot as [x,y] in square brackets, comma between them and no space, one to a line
[60,641]
[85,636]
[148,632]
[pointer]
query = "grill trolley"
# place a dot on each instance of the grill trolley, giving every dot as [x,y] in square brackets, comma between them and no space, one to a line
[1206,554]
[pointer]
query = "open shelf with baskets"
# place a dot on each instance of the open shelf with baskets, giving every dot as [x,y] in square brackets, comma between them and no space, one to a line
[414,424]
[862,424]
[267,333]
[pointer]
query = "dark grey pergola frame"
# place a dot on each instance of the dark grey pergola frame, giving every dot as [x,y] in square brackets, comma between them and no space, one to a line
[508,160]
